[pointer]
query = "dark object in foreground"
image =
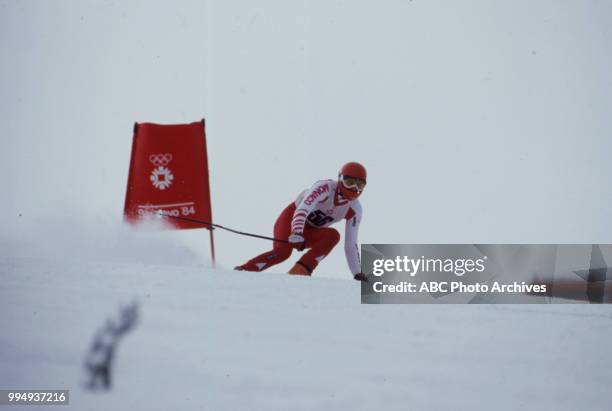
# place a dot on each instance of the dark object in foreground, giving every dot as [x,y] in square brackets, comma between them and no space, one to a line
[99,358]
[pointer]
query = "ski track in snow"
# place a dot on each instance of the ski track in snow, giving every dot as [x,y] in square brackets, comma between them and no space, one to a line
[223,340]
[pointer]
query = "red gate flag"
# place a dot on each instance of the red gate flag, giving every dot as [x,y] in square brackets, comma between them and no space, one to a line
[169,172]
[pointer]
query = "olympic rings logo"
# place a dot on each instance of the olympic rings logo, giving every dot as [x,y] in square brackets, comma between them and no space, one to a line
[160,159]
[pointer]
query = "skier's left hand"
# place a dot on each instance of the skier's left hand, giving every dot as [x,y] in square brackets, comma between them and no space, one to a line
[361,277]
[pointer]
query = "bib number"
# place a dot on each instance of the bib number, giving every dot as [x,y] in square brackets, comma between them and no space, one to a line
[319,218]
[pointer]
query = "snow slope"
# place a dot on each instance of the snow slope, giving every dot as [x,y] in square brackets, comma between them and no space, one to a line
[215,340]
[479,121]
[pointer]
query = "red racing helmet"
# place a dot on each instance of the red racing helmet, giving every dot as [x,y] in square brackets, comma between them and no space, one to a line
[352,180]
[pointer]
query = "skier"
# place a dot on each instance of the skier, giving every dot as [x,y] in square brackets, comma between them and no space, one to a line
[305,225]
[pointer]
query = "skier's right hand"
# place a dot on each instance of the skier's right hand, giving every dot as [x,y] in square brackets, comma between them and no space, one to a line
[297,241]
[360,277]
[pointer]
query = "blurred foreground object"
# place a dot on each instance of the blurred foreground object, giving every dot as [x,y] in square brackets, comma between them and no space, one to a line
[99,358]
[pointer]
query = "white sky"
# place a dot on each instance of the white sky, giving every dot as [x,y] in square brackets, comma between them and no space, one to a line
[479,121]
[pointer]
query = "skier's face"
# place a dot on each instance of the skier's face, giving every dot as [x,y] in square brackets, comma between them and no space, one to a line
[351,187]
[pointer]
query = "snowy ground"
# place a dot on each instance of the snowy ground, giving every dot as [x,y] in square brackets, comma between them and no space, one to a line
[479,122]
[215,340]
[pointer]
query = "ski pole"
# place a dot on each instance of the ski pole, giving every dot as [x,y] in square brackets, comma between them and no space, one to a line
[206,223]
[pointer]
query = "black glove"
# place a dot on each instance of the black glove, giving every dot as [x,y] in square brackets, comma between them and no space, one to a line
[361,277]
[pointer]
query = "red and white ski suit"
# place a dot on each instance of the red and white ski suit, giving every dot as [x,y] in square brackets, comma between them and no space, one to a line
[310,215]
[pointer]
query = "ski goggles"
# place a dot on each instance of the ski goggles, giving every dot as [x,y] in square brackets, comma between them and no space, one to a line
[353,183]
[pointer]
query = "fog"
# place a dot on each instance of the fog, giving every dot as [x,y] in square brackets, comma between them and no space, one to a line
[478,121]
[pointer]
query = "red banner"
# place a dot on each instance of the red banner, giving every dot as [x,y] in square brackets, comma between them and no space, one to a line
[169,172]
